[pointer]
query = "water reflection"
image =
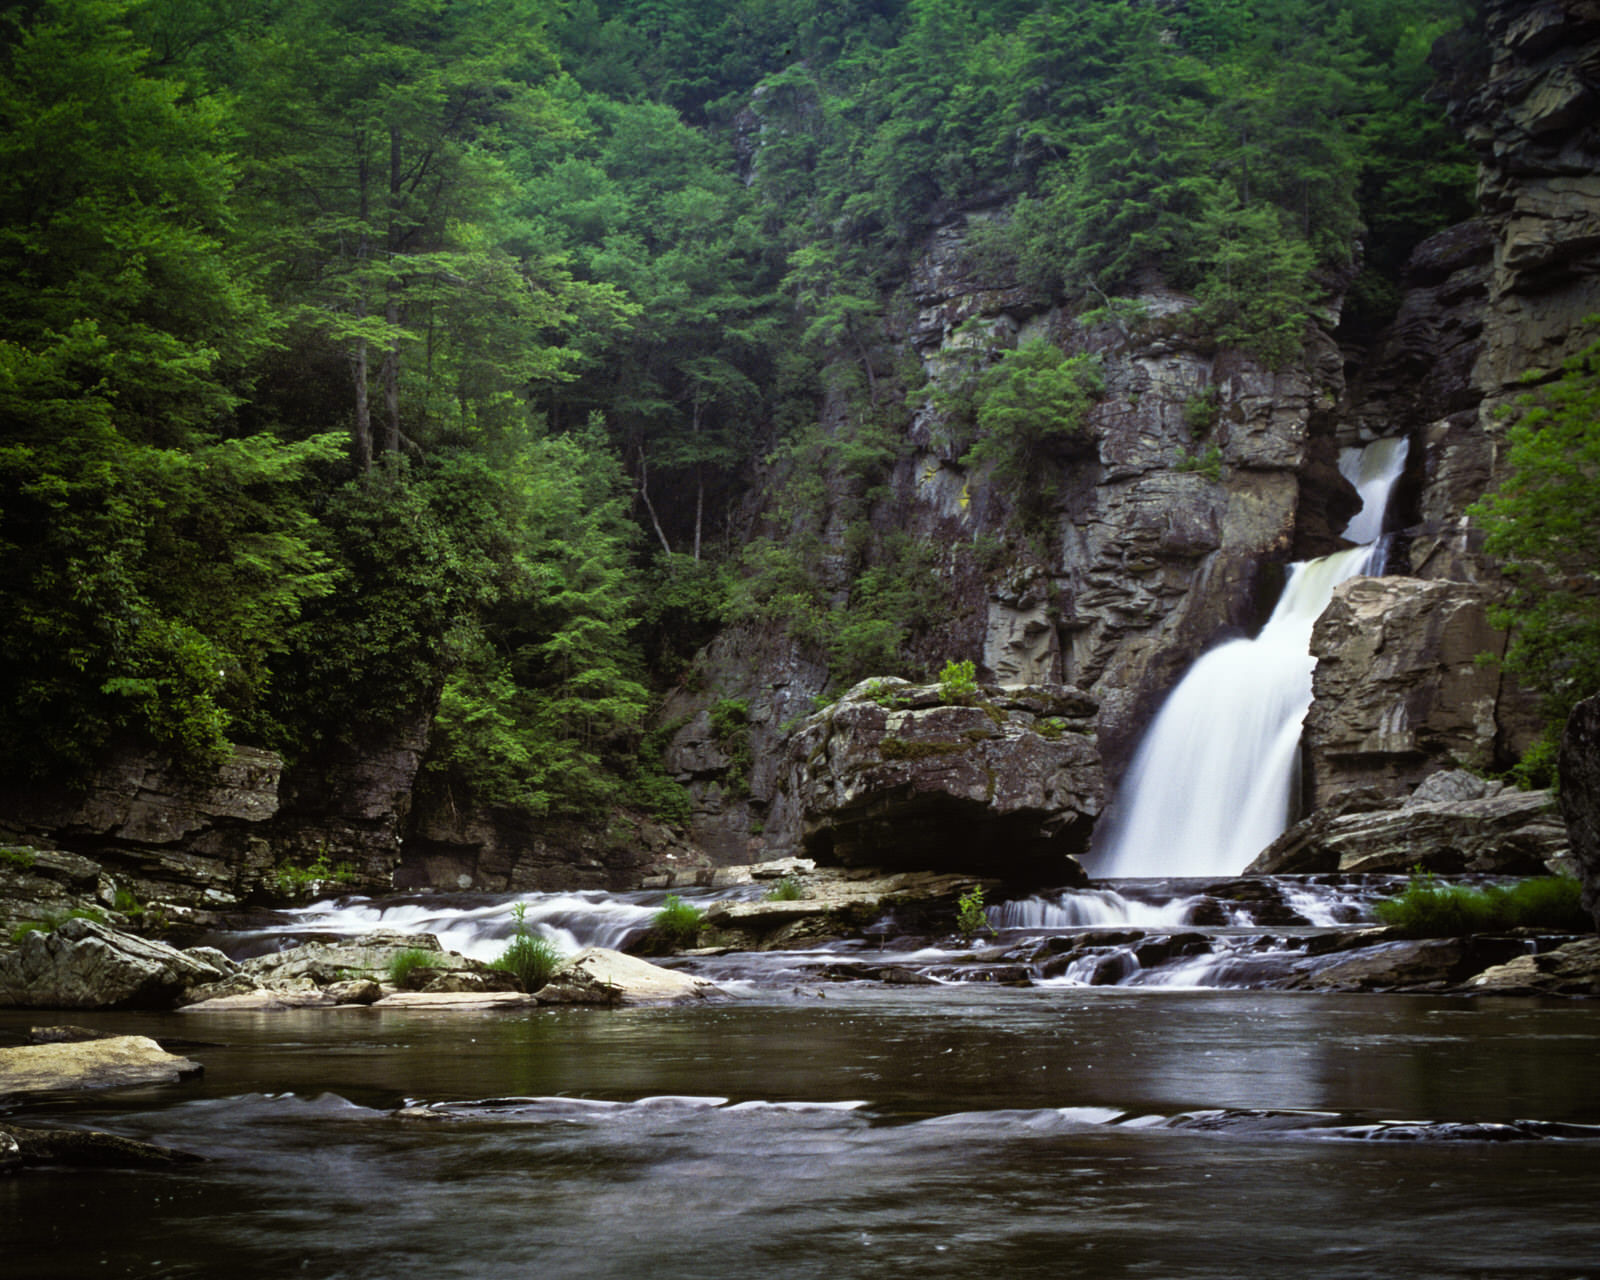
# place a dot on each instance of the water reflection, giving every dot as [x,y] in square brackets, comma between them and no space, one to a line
[928,1132]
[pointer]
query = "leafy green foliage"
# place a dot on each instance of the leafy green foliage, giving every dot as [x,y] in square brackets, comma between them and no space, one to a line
[679,921]
[1430,909]
[971,918]
[958,682]
[1543,523]
[531,957]
[19,857]
[53,920]
[295,881]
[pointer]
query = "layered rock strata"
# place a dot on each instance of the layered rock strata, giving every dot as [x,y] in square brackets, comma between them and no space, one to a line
[892,775]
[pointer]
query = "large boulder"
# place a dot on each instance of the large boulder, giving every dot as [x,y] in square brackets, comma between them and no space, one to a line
[597,975]
[1454,822]
[84,964]
[1006,785]
[1580,796]
[112,1062]
[1399,691]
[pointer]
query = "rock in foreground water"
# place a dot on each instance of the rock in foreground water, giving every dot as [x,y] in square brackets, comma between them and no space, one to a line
[109,1063]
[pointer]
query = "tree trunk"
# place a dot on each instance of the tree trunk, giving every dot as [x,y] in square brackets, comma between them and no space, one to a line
[361,429]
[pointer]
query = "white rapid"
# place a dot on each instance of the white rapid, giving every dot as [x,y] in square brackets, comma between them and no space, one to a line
[1212,783]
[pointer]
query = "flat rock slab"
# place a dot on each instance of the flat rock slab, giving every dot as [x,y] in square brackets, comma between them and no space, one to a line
[114,1062]
[447,1001]
[597,975]
[266,1001]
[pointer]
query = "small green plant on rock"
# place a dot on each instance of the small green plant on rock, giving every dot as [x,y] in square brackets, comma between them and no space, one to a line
[971,918]
[53,920]
[531,957]
[293,881]
[1208,462]
[787,889]
[958,682]
[18,856]
[411,965]
[679,921]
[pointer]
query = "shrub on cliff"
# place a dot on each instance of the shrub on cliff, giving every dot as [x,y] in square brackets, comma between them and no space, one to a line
[1544,523]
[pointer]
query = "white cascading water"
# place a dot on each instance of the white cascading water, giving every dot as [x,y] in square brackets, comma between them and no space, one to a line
[1212,783]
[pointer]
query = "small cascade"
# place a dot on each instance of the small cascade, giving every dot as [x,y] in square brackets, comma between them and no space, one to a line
[1212,783]
[471,926]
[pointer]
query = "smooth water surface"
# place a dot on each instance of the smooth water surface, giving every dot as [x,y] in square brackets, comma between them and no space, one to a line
[849,1131]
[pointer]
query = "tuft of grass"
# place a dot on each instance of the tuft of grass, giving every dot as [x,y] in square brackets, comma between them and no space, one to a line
[787,889]
[1429,909]
[53,920]
[679,921]
[406,966]
[19,856]
[531,957]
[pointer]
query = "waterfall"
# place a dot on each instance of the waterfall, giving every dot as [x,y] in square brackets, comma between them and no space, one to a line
[1213,780]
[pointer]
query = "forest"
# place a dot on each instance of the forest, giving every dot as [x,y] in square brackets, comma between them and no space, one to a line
[480,358]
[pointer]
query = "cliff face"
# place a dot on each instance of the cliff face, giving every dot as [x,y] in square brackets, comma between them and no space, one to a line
[1147,559]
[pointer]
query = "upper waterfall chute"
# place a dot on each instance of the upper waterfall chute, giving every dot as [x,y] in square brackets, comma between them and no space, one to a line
[1213,780]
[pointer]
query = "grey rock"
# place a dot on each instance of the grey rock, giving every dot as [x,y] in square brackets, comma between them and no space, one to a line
[891,776]
[84,964]
[84,1148]
[1508,832]
[1399,691]
[104,1063]
[597,975]
[1571,969]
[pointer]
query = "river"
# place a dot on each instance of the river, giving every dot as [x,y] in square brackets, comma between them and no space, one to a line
[844,1129]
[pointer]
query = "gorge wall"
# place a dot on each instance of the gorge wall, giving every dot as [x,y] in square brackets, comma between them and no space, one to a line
[1149,559]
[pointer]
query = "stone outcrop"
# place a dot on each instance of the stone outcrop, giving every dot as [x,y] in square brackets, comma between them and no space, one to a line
[1454,822]
[597,975]
[84,964]
[1400,691]
[1534,119]
[103,1063]
[837,902]
[1580,796]
[1008,785]
[187,843]
[1571,969]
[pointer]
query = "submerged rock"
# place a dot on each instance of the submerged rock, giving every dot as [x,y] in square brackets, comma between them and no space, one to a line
[106,1063]
[1008,785]
[84,964]
[24,1145]
[597,975]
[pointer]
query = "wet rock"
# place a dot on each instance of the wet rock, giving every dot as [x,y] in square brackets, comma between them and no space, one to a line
[109,1062]
[84,964]
[264,1000]
[457,1001]
[840,902]
[1008,786]
[360,991]
[1399,692]
[1572,969]
[1504,831]
[1423,964]
[369,956]
[83,1148]
[597,975]
[1580,796]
